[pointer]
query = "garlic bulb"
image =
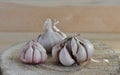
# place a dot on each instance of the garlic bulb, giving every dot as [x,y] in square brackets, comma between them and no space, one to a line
[72,51]
[51,36]
[33,53]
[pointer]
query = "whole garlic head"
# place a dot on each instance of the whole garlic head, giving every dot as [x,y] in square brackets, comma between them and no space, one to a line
[51,36]
[72,51]
[33,53]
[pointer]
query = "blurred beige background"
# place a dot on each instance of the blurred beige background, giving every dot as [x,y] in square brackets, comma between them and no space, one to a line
[74,15]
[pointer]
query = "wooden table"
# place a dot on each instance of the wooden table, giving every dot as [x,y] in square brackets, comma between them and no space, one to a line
[8,39]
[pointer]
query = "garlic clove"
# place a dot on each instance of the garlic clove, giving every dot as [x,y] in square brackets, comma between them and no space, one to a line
[29,55]
[22,56]
[55,51]
[43,57]
[73,46]
[36,56]
[88,46]
[81,55]
[43,54]
[65,57]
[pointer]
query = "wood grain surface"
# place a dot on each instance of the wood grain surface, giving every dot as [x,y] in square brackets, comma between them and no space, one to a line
[24,18]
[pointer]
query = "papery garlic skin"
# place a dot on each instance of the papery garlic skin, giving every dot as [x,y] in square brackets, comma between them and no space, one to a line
[73,51]
[81,55]
[33,53]
[51,36]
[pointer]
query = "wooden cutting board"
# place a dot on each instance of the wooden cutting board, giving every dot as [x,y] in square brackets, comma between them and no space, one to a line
[108,63]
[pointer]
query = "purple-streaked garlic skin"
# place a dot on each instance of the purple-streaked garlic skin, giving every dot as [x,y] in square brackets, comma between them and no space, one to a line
[33,53]
[73,51]
[51,36]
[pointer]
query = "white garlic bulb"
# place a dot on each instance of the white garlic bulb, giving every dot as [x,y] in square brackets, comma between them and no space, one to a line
[72,51]
[51,36]
[33,53]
